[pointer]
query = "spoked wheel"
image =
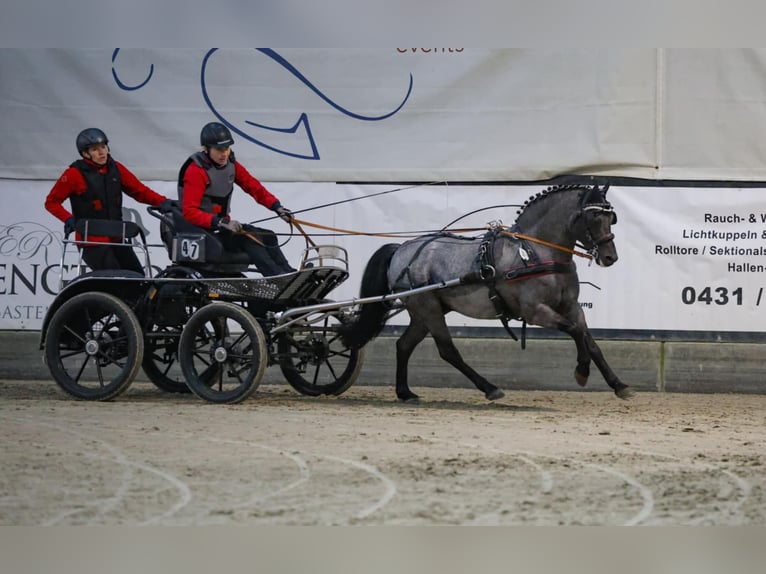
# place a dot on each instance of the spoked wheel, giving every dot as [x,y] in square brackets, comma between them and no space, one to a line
[169,307]
[94,346]
[161,358]
[314,360]
[161,362]
[223,353]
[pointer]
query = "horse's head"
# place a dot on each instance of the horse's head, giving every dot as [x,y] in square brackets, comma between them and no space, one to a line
[592,225]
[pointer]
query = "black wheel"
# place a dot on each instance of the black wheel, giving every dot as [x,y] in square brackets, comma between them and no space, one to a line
[168,307]
[160,362]
[314,360]
[223,353]
[94,346]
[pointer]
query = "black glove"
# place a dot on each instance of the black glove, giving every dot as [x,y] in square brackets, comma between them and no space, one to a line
[167,206]
[230,224]
[69,226]
[285,214]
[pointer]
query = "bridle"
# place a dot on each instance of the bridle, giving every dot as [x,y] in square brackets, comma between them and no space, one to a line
[591,243]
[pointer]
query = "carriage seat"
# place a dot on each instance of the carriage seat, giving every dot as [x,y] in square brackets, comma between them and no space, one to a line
[124,230]
[198,248]
[124,234]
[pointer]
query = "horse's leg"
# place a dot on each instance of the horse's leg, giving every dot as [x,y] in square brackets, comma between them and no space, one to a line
[448,351]
[544,316]
[582,370]
[620,389]
[405,345]
[587,349]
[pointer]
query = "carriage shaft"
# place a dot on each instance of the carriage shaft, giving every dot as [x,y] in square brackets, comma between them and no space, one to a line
[286,318]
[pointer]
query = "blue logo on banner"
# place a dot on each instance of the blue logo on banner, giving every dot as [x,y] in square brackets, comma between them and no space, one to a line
[302,124]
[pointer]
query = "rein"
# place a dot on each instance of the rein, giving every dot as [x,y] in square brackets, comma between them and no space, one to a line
[405,234]
[547,244]
[306,236]
[339,230]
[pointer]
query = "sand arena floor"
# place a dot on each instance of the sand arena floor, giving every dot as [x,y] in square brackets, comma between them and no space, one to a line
[531,458]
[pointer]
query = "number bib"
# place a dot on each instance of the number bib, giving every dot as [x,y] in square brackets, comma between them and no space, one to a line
[189,247]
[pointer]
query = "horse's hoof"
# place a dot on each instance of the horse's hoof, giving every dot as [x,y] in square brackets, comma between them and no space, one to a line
[409,397]
[582,380]
[494,395]
[625,393]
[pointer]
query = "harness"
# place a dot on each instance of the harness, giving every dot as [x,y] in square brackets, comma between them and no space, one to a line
[486,272]
[532,266]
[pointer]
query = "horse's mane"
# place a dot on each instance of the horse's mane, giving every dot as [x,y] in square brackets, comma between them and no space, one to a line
[546,193]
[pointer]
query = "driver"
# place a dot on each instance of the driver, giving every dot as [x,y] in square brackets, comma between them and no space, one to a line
[205,184]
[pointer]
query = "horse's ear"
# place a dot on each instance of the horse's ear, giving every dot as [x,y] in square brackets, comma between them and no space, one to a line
[592,195]
[604,190]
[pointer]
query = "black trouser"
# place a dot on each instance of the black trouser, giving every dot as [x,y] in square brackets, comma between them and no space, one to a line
[100,257]
[267,258]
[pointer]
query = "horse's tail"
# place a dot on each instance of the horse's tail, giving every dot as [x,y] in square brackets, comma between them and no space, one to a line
[372,316]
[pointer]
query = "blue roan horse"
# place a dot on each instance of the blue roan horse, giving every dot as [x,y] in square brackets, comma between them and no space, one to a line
[526,272]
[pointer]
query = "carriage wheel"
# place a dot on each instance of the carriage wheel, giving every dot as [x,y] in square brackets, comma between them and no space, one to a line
[160,362]
[224,342]
[93,346]
[314,360]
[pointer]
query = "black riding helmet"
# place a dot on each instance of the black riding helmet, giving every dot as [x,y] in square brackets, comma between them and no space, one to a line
[90,137]
[215,134]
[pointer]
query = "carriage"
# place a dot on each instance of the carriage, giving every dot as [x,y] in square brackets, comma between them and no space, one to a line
[204,325]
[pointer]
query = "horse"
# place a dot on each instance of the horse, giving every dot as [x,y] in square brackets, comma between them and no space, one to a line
[524,272]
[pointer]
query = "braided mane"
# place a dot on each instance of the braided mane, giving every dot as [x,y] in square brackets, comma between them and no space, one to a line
[535,199]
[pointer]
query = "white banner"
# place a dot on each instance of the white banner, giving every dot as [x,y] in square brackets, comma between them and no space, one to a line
[398,114]
[691,259]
